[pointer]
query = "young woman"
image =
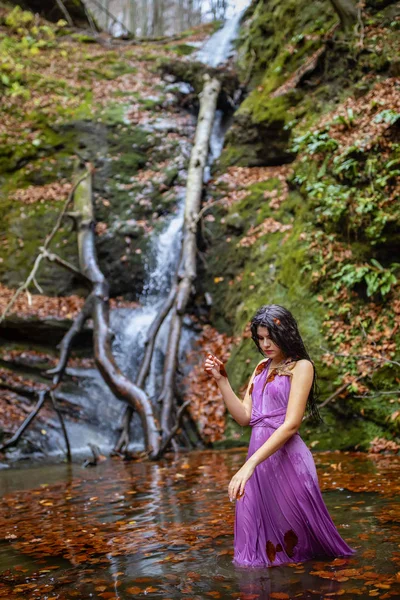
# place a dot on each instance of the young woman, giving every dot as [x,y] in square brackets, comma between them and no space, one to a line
[280,515]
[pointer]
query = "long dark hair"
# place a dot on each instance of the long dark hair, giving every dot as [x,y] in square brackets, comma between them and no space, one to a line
[284,332]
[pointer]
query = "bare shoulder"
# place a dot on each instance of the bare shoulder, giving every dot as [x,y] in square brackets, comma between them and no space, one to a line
[303,367]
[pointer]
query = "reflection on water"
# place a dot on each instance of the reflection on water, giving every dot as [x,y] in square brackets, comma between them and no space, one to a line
[154,18]
[165,530]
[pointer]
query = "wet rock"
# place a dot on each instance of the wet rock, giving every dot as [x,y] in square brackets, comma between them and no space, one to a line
[235,222]
[254,144]
[180,86]
[48,331]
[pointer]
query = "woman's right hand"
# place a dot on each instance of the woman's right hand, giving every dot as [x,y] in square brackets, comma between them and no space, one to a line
[214,367]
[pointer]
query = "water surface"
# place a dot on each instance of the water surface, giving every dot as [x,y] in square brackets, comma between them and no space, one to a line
[165,530]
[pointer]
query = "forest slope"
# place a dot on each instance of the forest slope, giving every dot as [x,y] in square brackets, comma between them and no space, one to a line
[308,213]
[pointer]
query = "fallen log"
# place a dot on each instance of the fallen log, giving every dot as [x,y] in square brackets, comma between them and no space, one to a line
[172,415]
[188,269]
[194,72]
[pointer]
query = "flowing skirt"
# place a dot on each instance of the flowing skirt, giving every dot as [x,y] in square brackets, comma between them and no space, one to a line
[282,516]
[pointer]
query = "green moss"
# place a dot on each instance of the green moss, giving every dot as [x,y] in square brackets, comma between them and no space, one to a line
[114,114]
[238,155]
[278,38]
[84,38]
[182,49]
[342,433]
[278,33]
[265,109]
[205,28]
[151,104]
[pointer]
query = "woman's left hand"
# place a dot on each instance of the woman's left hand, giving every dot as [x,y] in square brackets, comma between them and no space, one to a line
[238,481]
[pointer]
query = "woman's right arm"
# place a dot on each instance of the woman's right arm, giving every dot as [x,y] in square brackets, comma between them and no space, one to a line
[240,410]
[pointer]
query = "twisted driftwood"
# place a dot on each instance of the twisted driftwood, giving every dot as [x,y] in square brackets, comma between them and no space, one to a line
[97,306]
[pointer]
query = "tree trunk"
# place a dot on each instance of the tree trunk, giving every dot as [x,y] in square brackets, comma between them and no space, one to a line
[171,413]
[347,11]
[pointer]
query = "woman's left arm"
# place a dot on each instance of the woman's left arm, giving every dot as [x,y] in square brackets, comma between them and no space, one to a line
[302,379]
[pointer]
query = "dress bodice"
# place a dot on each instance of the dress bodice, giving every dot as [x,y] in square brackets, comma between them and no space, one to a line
[270,393]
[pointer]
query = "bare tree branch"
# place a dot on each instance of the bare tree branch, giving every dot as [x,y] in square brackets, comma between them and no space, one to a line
[32,275]
[64,11]
[64,263]
[343,387]
[63,427]
[382,358]
[35,411]
[173,430]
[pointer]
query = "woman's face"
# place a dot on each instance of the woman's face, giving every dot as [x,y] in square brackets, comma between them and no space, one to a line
[269,348]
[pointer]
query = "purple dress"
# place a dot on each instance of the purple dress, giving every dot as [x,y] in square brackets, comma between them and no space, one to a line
[282,517]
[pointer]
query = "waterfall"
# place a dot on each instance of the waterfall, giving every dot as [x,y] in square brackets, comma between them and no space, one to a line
[101,409]
[220,45]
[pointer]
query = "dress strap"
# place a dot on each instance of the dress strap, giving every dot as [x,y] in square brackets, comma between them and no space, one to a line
[260,368]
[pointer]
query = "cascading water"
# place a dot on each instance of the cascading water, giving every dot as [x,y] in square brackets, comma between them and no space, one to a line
[101,409]
[132,326]
[219,46]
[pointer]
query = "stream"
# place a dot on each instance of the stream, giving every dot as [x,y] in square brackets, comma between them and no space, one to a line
[137,529]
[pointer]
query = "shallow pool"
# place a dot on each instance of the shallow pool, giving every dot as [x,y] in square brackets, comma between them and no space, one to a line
[165,530]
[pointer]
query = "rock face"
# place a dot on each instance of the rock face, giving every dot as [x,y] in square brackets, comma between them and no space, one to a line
[272,45]
[97,142]
[255,145]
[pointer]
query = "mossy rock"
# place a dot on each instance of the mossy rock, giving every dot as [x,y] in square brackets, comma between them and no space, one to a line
[28,225]
[338,433]
[258,143]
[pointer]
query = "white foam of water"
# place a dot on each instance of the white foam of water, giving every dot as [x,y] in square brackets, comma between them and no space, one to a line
[217,49]
[165,251]
[216,143]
